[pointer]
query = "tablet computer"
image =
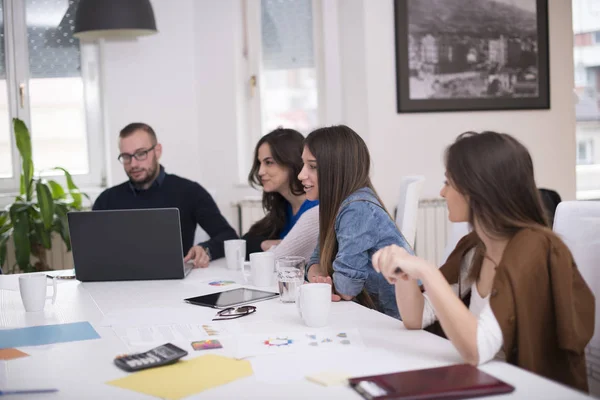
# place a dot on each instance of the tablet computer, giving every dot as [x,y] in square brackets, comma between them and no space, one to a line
[231,298]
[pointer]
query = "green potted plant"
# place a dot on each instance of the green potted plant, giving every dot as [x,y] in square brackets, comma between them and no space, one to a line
[39,211]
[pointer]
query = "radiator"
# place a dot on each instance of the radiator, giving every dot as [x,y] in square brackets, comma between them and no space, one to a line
[432,230]
[249,211]
[58,257]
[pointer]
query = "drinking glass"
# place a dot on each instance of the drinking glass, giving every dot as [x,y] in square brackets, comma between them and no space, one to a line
[290,275]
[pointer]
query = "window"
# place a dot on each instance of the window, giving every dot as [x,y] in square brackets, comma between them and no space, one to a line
[283,66]
[585,151]
[587,107]
[288,70]
[50,81]
[594,7]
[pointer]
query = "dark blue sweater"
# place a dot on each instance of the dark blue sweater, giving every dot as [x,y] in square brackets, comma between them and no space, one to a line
[195,204]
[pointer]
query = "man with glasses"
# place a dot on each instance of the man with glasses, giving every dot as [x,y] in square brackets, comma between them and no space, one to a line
[149,186]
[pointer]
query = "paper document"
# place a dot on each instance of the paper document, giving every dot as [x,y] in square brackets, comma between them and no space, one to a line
[46,334]
[288,342]
[185,378]
[9,282]
[157,316]
[158,334]
[11,354]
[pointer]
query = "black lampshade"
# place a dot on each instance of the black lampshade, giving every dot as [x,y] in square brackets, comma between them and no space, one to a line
[114,19]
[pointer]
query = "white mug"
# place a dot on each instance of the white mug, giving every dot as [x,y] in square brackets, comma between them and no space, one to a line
[33,288]
[261,269]
[235,253]
[314,302]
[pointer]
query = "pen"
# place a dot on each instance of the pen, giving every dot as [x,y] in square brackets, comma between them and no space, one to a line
[60,276]
[26,391]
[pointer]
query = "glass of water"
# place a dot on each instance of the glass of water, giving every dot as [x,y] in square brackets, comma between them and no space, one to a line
[290,275]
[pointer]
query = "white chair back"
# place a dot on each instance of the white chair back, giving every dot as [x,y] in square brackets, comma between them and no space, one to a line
[578,225]
[456,232]
[408,206]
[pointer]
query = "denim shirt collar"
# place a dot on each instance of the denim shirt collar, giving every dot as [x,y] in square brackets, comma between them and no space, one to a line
[364,193]
[157,182]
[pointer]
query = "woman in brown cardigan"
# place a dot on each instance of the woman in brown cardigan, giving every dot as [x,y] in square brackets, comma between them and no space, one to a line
[510,289]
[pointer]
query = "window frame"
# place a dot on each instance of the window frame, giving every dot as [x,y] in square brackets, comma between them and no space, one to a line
[588,143]
[252,55]
[18,72]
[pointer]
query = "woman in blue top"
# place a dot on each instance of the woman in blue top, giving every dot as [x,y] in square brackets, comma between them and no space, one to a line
[290,226]
[353,222]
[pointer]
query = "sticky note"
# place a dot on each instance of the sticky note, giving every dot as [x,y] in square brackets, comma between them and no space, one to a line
[329,378]
[206,345]
[185,378]
[11,354]
[46,334]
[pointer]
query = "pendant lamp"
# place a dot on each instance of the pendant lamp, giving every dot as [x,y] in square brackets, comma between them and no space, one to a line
[114,19]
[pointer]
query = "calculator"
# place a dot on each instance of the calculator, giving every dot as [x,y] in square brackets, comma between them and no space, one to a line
[162,355]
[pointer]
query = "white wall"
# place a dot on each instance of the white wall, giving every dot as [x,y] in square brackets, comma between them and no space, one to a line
[406,144]
[151,80]
[182,81]
[188,82]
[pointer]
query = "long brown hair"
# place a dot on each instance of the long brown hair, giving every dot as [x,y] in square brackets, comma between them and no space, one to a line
[343,165]
[495,172]
[286,148]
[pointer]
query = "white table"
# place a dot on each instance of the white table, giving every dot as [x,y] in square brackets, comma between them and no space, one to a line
[80,369]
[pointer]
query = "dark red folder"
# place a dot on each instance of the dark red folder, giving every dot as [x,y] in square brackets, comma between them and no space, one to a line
[453,382]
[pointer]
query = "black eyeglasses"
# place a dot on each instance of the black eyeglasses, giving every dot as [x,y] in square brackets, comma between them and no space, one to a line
[141,155]
[234,312]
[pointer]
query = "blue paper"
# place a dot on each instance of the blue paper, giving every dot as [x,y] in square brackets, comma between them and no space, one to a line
[5,392]
[46,334]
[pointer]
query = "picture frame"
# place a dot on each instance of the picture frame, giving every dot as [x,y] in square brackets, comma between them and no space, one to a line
[471,55]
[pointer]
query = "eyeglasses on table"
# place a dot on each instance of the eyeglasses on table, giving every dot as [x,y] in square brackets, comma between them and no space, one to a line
[234,312]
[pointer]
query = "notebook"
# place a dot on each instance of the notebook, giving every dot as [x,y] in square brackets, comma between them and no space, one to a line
[453,382]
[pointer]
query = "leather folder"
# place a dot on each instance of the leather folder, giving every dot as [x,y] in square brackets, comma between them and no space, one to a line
[453,382]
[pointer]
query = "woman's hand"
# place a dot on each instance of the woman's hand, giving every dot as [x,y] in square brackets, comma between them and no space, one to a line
[325,279]
[267,244]
[394,263]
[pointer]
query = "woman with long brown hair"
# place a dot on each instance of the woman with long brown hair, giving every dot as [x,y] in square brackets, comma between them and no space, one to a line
[291,224]
[510,290]
[353,223]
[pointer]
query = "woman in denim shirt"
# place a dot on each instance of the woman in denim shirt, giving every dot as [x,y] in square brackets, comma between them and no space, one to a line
[353,222]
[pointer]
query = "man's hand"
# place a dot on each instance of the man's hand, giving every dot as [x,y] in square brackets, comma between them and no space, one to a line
[198,256]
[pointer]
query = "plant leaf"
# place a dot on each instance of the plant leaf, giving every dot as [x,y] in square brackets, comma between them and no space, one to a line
[23,139]
[16,208]
[64,231]
[2,255]
[5,222]
[73,189]
[43,235]
[57,190]
[21,238]
[46,203]
[27,176]
[4,237]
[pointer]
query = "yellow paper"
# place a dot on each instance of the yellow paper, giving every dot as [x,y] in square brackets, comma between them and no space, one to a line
[329,378]
[185,378]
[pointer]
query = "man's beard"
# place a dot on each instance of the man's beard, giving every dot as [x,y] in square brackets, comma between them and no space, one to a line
[150,176]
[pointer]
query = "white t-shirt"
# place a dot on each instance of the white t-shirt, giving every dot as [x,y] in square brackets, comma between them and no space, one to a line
[489,334]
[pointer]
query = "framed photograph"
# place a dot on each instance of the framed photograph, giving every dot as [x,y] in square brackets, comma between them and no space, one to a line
[462,55]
